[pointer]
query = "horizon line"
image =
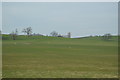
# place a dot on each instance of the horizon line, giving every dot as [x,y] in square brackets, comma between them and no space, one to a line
[71,36]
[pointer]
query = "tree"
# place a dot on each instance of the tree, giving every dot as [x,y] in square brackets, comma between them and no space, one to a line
[54,34]
[69,35]
[28,31]
[14,34]
[107,36]
[0,32]
[59,35]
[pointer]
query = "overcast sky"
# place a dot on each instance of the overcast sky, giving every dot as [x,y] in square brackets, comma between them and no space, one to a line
[79,18]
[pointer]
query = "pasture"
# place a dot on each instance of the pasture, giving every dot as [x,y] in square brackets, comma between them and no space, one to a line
[54,57]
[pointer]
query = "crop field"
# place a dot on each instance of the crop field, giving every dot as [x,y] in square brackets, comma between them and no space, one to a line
[55,57]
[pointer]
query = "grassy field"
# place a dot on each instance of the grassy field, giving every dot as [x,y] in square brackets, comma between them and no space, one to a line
[49,57]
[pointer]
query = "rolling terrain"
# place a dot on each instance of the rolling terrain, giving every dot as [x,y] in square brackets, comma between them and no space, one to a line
[56,57]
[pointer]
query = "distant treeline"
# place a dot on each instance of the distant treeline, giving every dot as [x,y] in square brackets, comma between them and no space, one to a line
[34,37]
[28,34]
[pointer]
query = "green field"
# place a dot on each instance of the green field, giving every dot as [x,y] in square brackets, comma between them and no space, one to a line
[54,57]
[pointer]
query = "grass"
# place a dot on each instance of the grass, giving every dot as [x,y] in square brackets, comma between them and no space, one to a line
[50,57]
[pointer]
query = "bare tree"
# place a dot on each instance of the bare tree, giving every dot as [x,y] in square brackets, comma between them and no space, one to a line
[54,34]
[14,34]
[28,31]
[0,32]
[69,35]
[24,31]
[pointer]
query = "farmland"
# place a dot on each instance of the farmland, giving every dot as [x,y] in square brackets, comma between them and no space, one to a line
[56,57]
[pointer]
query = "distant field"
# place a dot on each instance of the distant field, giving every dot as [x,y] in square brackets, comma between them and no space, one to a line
[50,57]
